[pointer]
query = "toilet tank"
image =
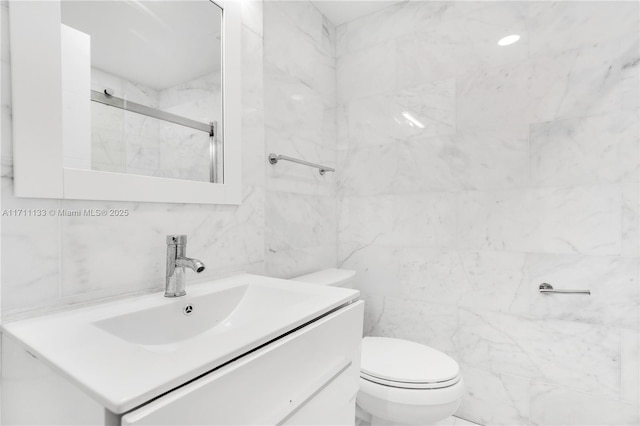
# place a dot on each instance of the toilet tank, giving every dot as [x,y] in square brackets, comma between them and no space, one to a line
[333,277]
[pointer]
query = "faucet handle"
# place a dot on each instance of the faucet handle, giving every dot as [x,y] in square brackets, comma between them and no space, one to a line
[177,240]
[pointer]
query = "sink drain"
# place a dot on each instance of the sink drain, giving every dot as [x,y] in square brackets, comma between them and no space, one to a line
[188,309]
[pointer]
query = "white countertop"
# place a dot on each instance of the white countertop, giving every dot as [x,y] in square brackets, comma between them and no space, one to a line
[122,375]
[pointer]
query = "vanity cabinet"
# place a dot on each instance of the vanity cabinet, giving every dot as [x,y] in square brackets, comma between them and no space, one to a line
[308,376]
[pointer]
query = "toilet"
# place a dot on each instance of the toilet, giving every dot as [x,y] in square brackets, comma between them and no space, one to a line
[401,382]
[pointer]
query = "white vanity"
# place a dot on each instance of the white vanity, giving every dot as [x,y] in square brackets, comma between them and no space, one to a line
[241,350]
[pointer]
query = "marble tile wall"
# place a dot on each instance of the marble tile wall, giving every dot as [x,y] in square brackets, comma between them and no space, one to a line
[300,121]
[50,262]
[470,173]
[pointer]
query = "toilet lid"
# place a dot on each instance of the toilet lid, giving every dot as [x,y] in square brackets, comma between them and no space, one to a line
[397,360]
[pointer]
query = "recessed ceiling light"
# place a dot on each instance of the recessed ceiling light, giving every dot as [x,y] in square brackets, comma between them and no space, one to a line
[510,39]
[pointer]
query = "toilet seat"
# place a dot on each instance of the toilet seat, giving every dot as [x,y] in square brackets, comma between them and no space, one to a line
[406,396]
[409,385]
[408,365]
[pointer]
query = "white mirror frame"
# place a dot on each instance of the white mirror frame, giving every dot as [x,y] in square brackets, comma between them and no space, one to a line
[37,119]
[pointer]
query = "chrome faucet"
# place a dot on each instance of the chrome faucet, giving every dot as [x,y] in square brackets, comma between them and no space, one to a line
[176,262]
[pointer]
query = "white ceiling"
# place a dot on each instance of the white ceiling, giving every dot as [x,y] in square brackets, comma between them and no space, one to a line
[341,11]
[155,43]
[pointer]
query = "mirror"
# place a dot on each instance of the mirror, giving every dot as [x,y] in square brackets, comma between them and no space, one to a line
[152,76]
[135,100]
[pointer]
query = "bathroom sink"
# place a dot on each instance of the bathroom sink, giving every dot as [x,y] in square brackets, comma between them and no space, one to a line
[129,351]
[159,328]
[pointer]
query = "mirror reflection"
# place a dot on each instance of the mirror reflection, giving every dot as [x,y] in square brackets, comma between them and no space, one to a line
[142,88]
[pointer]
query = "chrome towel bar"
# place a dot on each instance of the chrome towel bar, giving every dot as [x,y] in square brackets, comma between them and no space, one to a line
[274,158]
[548,288]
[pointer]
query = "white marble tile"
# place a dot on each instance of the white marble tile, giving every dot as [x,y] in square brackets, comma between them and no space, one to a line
[583,151]
[93,257]
[395,21]
[252,68]
[294,41]
[373,308]
[432,56]
[427,274]
[108,147]
[30,253]
[554,220]
[417,165]
[253,135]
[558,26]
[398,320]
[252,15]
[329,129]
[199,99]
[292,109]
[494,399]
[630,367]
[495,281]
[235,234]
[183,153]
[435,275]
[6,127]
[613,281]
[396,220]
[328,37]
[630,55]
[376,273]
[494,99]
[141,131]
[490,160]
[630,219]
[421,111]
[300,16]
[553,405]
[575,83]
[138,92]
[4,36]
[254,158]
[296,221]
[630,93]
[581,356]
[380,75]
[293,263]
[144,155]
[342,126]
[630,72]
[482,29]
[488,280]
